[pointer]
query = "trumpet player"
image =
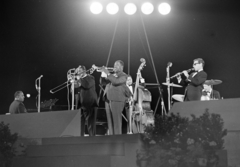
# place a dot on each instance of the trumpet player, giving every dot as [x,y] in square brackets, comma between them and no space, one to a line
[194,81]
[117,93]
[88,100]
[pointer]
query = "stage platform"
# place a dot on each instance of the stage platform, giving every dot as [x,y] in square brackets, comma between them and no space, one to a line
[52,139]
[52,123]
[98,151]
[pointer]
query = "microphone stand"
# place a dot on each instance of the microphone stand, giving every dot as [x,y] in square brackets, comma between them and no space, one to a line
[72,87]
[38,87]
[71,78]
[168,88]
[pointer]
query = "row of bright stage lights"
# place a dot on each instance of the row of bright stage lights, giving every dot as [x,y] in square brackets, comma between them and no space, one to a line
[130,8]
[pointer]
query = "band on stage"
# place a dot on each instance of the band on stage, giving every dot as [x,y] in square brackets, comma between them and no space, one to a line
[120,94]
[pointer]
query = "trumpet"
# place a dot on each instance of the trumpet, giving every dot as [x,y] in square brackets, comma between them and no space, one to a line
[99,69]
[191,69]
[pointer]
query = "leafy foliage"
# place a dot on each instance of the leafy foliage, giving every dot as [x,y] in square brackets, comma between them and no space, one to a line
[176,141]
[7,140]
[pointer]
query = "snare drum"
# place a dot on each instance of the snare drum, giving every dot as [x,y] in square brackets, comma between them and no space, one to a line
[205,98]
[178,97]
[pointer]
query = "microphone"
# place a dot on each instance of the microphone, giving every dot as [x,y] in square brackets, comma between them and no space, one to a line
[169,64]
[36,82]
[181,73]
[40,77]
[142,60]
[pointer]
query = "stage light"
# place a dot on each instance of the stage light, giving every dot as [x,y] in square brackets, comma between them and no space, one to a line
[112,8]
[28,95]
[147,8]
[130,8]
[164,8]
[96,8]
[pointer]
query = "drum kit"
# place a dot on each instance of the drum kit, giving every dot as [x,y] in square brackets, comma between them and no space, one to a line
[213,82]
[180,98]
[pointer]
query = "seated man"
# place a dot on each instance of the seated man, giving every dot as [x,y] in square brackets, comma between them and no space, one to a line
[208,93]
[17,106]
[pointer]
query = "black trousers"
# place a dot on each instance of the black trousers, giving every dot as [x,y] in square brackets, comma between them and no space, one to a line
[116,109]
[88,116]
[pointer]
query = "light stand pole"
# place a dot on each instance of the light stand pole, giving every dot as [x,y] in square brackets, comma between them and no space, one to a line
[38,87]
[163,109]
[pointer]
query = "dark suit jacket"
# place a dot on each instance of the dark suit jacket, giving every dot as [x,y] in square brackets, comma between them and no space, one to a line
[117,89]
[194,86]
[215,94]
[17,107]
[87,91]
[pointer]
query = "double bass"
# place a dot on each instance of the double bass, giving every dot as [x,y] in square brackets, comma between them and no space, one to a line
[140,108]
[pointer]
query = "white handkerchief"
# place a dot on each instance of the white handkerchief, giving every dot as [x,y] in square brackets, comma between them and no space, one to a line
[194,74]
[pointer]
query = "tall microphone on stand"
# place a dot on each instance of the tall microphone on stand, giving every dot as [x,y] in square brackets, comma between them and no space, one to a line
[169,64]
[40,77]
[38,87]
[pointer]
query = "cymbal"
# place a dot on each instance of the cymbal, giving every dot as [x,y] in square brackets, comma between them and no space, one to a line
[213,82]
[172,84]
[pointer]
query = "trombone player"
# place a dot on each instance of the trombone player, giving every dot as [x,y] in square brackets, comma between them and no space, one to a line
[76,88]
[87,99]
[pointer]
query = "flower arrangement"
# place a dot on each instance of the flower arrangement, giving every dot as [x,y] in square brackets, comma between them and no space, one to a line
[7,149]
[176,141]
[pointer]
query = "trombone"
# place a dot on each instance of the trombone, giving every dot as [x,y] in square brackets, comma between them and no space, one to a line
[60,87]
[73,75]
[70,76]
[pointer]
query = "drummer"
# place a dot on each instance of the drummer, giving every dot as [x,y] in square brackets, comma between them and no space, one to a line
[208,93]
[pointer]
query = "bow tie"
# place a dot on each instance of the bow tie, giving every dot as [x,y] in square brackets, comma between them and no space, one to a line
[205,93]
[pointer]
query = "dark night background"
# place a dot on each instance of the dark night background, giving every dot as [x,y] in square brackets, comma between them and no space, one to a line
[49,37]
